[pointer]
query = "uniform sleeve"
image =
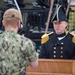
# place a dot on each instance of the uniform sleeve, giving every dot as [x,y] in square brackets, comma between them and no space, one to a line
[42,53]
[74,54]
[31,52]
[73,41]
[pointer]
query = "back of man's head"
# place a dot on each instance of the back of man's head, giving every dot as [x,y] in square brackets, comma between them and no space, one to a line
[12,15]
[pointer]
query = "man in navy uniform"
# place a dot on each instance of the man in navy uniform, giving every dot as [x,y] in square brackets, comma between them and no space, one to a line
[59,44]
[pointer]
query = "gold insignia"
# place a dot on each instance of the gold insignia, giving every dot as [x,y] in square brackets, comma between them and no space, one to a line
[61,56]
[54,56]
[54,52]
[62,43]
[73,39]
[61,47]
[54,48]
[45,38]
[61,52]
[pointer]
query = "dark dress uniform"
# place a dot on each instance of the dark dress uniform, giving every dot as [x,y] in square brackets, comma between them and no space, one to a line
[58,49]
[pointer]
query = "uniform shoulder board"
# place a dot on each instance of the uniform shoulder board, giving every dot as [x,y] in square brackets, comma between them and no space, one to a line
[45,38]
[73,39]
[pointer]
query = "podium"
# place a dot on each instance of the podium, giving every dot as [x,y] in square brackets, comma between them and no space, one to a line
[53,67]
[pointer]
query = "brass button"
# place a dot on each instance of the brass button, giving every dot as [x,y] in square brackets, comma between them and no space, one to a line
[54,47]
[61,56]
[54,51]
[62,43]
[54,56]
[61,51]
[61,47]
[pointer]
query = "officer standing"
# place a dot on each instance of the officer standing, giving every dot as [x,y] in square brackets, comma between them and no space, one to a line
[16,51]
[59,44]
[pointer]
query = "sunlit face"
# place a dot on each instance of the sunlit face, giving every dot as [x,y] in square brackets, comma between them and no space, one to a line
[59,27]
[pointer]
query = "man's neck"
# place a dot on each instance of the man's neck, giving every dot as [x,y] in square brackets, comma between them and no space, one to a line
[61,35]
[11,28]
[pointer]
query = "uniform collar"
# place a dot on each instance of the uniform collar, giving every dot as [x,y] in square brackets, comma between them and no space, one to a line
[61,35]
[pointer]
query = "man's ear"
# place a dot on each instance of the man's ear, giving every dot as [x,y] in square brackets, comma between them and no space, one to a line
[66,23]
[3,22]
[19,23]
